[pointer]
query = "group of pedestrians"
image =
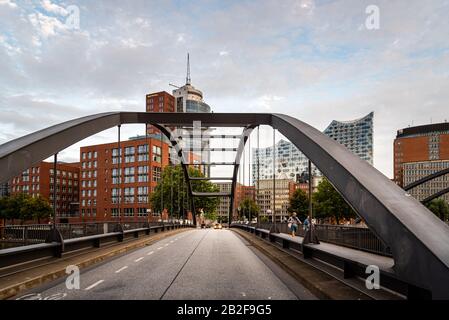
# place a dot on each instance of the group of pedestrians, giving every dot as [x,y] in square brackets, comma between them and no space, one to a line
[293,223]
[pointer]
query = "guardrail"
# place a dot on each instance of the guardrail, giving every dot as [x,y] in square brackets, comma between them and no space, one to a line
[348,236]
[350,265]
[21,235]
[28,253]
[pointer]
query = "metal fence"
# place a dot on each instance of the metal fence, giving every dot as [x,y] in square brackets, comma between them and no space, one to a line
[11,236]
[21,235]
[349,236]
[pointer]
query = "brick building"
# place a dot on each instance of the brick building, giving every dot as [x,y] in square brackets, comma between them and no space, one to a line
[159,102]
[103,185]
[425,143]
[39,181]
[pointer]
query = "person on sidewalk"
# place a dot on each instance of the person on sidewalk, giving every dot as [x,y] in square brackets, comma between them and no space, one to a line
[293,222]
[306,224]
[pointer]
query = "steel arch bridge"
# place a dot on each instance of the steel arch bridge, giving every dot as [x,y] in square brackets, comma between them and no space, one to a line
[419,241]
[429,178]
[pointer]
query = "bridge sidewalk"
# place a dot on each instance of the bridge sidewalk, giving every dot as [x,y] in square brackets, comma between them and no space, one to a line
[21,278]
[365,258]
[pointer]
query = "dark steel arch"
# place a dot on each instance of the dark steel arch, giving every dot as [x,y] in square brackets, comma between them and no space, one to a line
[417,238]
[426,178]
[435,195]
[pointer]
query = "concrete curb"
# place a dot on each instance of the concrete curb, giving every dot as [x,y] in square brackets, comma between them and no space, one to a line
[320,284]
[15,289]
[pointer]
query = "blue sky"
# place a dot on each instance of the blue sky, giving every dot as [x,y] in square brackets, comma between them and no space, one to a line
[314,60]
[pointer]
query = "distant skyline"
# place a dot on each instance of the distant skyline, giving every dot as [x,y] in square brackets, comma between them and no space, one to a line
[314,60]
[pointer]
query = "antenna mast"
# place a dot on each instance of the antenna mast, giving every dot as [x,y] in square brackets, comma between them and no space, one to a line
[188,70]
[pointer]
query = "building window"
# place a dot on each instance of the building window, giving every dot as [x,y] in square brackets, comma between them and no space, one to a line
[156,174]
[157,153]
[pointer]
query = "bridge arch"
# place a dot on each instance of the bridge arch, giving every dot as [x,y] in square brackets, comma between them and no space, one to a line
[417,238]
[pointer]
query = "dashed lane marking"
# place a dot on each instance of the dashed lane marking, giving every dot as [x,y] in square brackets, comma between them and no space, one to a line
[121,269]
[94,285]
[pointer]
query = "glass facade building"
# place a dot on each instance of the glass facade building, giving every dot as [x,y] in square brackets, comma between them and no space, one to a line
[356,135]
[292,164]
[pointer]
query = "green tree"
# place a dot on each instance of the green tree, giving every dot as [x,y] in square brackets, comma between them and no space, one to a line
[15,208]
[329,203]
[249,208]
[175,193]
[26,208]
[299,203]
[4,209]
[439,207]
[41,209]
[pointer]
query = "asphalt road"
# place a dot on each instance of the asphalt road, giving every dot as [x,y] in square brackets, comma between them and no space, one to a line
[196,264]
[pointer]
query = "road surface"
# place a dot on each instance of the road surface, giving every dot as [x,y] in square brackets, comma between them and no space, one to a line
[196,264]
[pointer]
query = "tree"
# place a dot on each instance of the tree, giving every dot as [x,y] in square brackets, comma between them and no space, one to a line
[41,209]
[4,209]
[249,208]
[439,207]
[174,192]
[24,207]
[15,206]
[299,203]
[329,203]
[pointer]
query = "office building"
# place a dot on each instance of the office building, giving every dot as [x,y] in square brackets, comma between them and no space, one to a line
[290,163]
[39,181]
[242,192]
[427,143]
[265,197]
[413,171]
[190,100]
[113,181]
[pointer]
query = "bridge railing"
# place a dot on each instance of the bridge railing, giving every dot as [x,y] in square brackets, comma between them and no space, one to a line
[355,237]
[22,235]
[352,265]
[27,253]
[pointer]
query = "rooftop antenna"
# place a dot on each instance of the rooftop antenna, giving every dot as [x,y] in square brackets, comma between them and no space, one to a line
[188,70]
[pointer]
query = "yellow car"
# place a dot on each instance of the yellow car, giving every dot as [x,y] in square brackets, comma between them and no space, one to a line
[218,226]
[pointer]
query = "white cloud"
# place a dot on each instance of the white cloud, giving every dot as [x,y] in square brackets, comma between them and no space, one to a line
[304,58]
[54,8]
[45,25]
[8,3]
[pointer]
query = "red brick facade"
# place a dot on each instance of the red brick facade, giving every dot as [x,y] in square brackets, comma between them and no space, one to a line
[39,181]
[99,179]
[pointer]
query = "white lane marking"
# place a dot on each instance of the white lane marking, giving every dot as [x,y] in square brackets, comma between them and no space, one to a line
[171,241]
[121,269]
[159,248]
[243,294]
[167,244]
[94,285]
[150,253]
[137,260]
[176,239]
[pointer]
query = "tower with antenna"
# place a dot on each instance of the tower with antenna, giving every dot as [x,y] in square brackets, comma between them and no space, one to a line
[188,70]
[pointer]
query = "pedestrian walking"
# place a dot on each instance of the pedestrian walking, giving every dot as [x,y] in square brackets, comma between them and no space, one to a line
[293,222]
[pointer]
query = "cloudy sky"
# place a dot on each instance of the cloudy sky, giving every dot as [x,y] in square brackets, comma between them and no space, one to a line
[315,60]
